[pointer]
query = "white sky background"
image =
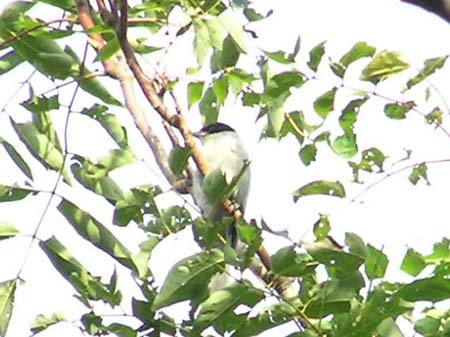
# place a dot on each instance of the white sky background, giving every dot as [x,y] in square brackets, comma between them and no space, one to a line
[394,213]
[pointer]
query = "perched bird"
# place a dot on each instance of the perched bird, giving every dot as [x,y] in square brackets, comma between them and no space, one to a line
[224,151]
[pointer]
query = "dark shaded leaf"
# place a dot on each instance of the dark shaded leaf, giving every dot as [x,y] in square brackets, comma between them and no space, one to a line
[11,193]
[209,108]
[430,66]
[308,154]
[17,158]
[222,303]
[433,289]
[280,84]
[315,56]
[96,233]
[230,54]
[287,262]
[349,115]
[188,279]
[324,104]
[321,187]
[398,110]
[178,159]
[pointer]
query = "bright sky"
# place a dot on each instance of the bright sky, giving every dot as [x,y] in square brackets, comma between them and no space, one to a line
[393,214]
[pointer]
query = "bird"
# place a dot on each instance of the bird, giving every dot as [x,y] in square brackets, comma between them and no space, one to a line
[223,151]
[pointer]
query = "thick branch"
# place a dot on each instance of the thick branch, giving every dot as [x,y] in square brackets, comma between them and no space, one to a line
[439,7]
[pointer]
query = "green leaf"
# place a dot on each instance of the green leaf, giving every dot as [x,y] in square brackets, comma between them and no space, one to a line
[189,278]
[141,259]
[109,122]
[358,51]
[214,185]
[349,115]
[122,330]
[222,303]
[209,108]
[398,110]
[216,32]
[8,231]
[7,294]
[433,289]
[321,187]
[96,233]
[315,56]
[356,245]
[232,24]
[17,158]
[280,84]
[9,61]
[178,159]
[109,50]
[326,252]
[345,146]
[11,193]
[419,172]
[376,263]
[413,262]
[382,66]
[388,328]
[324,104]
[220,88]
[195,90]
[37,104]
[428,326]
[322,228]
[42,322]
[308,154]
[201,41]
[434,116]
[230,54]
[430,66]
[42,148]
[287,262]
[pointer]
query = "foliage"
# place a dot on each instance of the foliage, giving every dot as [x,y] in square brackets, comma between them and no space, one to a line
[343,291]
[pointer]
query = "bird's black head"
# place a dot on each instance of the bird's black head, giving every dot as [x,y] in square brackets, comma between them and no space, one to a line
[213,128]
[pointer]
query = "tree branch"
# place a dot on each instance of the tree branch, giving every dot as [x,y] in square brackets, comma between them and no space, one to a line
[438,7]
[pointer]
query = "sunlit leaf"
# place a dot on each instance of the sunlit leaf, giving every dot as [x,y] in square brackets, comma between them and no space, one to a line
[430,66]
[349,115]
[345,145]
[7,294]
[388,328]
[322,228]
[358,51]
[321,187]
[382,66]
[189,278]
[413,262]
[419,172]
[435,116]
[12,193]
[42,322]
[376,263]
[232,24]
[308,153]
[220,88]
[195,90]
[8,231]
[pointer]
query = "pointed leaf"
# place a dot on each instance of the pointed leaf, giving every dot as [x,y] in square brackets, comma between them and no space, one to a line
[42,322]
[223,302]
[9,61]
[232,24]
[178,159]
[17,158]
[195,90]
[96,233]
[315,56]
[376,263]
[430,66]
[321,187]
[287,262]
[11,193]
[7,294]
[359,50]
[42,148]
[189,278]
[308,154]
[433,289]
[413,262]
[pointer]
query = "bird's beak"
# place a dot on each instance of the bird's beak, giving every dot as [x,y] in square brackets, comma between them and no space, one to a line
[198,134]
